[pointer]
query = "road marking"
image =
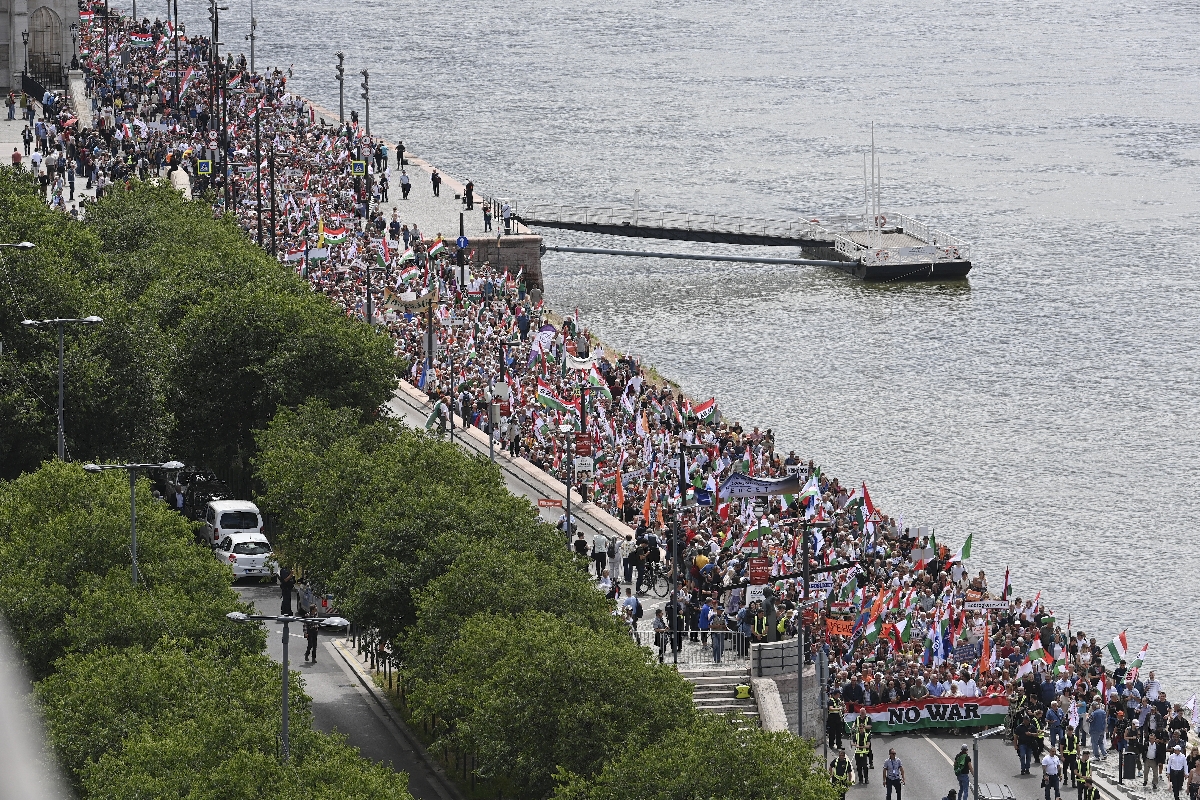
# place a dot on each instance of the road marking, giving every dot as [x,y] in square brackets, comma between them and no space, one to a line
[934,744]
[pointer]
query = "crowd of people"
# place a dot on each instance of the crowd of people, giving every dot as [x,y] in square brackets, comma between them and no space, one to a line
[897,614]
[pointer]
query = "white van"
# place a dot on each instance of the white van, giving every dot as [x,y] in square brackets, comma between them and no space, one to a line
[223,517]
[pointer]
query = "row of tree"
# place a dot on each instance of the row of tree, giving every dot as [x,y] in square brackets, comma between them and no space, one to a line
[150,691]
[204,335]
[502,637]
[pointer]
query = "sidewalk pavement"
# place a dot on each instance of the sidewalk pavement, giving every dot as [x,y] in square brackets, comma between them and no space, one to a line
[341,703]
[10,139]
[432,215]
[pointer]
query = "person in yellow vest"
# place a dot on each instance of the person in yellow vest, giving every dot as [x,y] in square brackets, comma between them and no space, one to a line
[835,720]
[1070,754]
[841,774]
[1083,774]
[861,737]
[759,632]
[863,721]
[1088,790]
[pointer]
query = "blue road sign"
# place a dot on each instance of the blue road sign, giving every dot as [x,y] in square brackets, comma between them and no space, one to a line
[462,242]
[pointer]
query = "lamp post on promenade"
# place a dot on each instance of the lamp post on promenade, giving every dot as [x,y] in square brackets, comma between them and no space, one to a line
[287,619]
[133,470]
[60,324]
[341,79]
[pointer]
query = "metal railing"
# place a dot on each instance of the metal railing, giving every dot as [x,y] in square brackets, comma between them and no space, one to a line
[735,651]
[938,246]
[672,220]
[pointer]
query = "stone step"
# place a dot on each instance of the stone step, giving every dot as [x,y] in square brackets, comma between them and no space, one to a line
[709,702]
[717,683]
[714,672]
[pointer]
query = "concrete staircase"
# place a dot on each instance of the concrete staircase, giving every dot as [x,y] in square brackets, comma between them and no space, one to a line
[715,690]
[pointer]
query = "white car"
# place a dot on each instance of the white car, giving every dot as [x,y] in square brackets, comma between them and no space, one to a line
[248,554]
[227,517]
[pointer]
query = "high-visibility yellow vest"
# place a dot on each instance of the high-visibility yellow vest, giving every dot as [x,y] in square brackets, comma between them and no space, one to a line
[862,742]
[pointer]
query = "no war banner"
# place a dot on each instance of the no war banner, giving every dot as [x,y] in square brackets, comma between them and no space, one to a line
[938,712]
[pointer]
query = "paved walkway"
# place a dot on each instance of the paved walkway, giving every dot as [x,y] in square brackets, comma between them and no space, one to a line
[433,215]
[340,703]
[10,138]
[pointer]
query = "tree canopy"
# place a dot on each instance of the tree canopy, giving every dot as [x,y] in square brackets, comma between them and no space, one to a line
[204,337]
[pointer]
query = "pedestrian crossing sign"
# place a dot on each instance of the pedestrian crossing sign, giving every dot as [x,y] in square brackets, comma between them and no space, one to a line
[204,166]
[358,168]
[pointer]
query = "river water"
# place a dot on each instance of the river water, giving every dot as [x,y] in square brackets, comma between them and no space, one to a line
[1048,405]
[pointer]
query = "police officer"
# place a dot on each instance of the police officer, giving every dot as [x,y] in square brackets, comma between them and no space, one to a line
[835,721]
[1083,774]
[862,749]
[1088,790]
[841,773]
[863,721]
[1069,753]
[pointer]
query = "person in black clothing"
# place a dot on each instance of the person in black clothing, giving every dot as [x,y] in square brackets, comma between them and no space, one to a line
[287,583]
[469,195]
[312,627]
[436,180]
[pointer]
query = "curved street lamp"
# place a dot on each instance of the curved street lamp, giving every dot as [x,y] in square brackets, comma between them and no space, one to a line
[133,470]
[47,323]
[287,619]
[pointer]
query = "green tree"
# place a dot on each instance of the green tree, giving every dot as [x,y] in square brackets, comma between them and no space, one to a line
[378,510]
[532,694]
[65,577]
[713,758]
[205,335]
[183,722]
[502,578]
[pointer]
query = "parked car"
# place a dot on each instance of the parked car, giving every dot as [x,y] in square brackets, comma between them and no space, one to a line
[248,554]
[223,517]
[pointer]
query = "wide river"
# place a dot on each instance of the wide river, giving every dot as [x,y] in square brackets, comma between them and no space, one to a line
[1049,405]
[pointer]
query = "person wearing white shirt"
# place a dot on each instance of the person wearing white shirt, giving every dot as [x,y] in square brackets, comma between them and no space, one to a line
[1176,769]
[1153,687]
[1051,767]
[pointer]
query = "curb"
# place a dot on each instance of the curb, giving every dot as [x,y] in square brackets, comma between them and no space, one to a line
[441,783]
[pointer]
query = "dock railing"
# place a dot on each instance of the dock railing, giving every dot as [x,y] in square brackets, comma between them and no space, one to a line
[670,220]
[936,245]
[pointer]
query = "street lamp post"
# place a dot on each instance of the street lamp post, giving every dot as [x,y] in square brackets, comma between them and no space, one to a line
[25,42]
[74,45]
[133,470]
[804,603]
[567,432]
[341,79]
[252,36]
[366,96]
[237,616]
[60,323]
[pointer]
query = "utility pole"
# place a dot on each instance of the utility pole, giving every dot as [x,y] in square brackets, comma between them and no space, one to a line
[341,79]
[252,36]
[676,534]
[258,171]
[178,30]
[271,172]
[223,139]
[366,96]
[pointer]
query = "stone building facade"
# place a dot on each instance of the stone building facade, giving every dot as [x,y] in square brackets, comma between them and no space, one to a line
[47,24]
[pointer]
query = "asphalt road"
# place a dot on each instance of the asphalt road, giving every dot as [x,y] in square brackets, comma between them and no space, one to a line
[339,702]
[928,758]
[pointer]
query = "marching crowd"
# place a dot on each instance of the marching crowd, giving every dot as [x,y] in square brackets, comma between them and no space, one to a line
[898,614]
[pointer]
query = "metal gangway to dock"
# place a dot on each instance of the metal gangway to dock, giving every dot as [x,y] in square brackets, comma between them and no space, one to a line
[889,247]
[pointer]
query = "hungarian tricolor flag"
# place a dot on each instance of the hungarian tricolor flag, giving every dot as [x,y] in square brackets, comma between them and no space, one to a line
[438,248]
[706,411]
[140,40]
[336,235]
[1118,647]
[548,399]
